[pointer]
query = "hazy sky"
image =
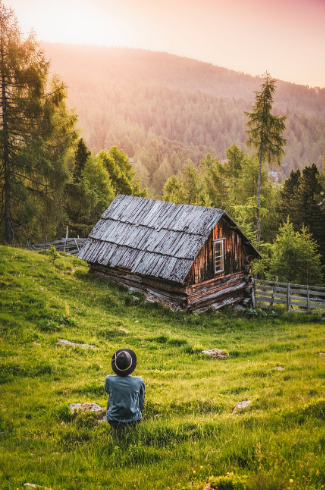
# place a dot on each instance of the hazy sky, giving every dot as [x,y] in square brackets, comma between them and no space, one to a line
[285,37]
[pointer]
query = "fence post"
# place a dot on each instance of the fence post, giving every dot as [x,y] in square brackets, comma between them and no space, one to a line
[66,238]
[254,293]
[307,299]
[288,296]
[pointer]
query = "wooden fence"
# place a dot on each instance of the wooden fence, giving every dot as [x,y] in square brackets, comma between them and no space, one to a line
[294,297]
[68,245]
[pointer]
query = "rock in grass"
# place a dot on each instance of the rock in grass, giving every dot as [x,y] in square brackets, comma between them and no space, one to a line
[86,407]
[74,344]
[321,353]
[241,405]
[215,353]
[280,368]
[33,485]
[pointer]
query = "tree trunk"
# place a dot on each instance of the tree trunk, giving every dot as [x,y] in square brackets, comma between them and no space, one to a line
[259,197]
[6,156]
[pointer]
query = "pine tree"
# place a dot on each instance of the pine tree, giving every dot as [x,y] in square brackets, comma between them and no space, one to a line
[288,196]
[302,200]
[36,131]
[310,209]
[265,134]
[81,155]
[295,257]
[121,172]
[214,191]
[235,160]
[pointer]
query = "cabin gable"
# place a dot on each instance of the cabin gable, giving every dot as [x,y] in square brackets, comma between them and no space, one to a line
[234,254]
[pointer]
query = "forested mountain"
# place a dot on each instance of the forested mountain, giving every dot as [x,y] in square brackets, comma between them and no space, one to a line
[162,108]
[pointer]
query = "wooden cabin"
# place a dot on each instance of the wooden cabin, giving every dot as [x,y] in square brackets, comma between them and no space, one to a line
[188,257]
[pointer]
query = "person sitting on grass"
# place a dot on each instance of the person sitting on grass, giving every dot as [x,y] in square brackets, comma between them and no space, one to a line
[126,392]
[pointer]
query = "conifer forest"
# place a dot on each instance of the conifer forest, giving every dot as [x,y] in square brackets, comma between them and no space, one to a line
[80,125]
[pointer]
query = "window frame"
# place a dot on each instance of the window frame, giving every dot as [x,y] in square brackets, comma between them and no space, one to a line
[215,242]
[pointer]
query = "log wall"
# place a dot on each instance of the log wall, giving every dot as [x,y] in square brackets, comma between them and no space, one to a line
[234,255]
[215,293]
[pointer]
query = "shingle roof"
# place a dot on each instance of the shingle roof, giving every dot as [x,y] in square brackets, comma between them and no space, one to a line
[150,237]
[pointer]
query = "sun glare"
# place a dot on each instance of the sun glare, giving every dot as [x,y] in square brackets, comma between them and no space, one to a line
[92,26]
[74,22]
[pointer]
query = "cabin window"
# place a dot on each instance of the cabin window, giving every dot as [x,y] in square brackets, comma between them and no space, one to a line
[218,256]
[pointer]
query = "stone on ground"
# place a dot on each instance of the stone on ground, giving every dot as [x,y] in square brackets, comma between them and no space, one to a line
[74,344]
[241,405]
[86,407]
[215,353]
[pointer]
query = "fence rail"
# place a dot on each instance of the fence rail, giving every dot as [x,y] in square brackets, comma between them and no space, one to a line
[69,245]
[294,297]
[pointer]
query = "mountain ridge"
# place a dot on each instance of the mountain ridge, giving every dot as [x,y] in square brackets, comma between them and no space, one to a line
[141,95]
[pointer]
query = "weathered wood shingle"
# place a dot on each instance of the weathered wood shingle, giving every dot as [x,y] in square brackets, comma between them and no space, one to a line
[150,237]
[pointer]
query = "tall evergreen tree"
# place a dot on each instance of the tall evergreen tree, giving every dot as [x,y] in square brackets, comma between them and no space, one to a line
[214,190]
[294,257]
[81,155]
[265,134]
[184,188]
[288,196]
[76,203]
[121,172]
[302,200]
[311,207]
[36,131]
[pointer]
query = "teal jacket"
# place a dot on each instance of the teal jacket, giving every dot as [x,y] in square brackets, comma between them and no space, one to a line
[126,398]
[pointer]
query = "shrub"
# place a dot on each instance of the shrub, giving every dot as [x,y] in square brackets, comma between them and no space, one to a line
[227,482]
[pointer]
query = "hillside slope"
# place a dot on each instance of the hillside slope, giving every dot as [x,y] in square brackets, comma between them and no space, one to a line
[189,431]
[146,96]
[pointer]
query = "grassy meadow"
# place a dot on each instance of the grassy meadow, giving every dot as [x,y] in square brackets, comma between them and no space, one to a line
[189,434]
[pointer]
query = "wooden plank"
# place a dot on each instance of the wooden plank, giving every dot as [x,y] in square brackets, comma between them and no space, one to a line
[269,288]
[218,305]
[298,286]
[270,283]
[317,307]
[215,286]
[288,296]
[316,293]
[140,280]
[262,299]
[299,297]
[311,300]
[217,294]
[162,295]
[254,295]
[268,294]
[304,305]
[306,291]
[271,295]
[299,303]
[214,281]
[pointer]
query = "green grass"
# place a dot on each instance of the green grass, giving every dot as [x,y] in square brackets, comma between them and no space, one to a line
[189,432]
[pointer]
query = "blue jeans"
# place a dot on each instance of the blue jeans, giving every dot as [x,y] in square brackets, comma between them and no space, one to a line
[121,425]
